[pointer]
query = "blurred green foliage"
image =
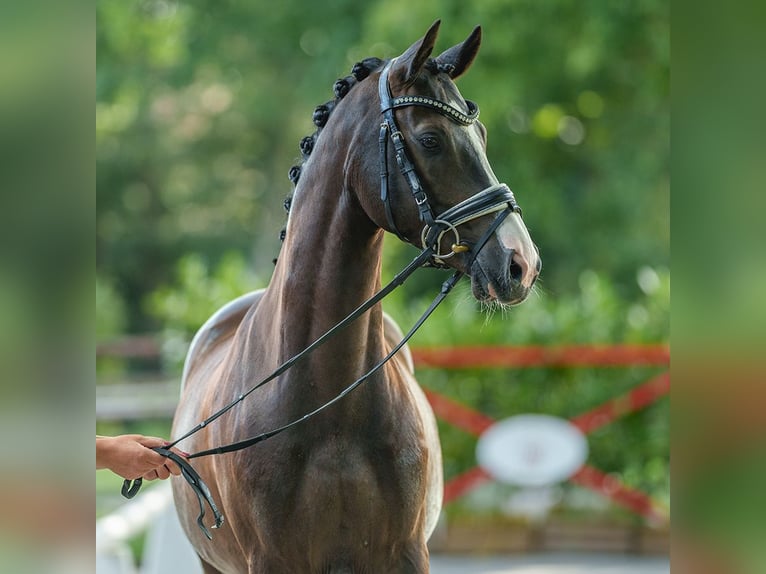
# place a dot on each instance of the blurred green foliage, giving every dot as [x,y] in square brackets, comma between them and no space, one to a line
[200,107]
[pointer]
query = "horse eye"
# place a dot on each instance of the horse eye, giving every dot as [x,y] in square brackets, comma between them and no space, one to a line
[429,142]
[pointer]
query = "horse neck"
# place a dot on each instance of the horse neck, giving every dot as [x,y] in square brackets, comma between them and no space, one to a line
[329,264]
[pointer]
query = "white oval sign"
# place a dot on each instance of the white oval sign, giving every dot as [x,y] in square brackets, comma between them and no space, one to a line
[532,450]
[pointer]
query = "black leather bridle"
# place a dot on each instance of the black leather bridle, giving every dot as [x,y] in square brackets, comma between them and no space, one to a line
[492,199]
[496,198]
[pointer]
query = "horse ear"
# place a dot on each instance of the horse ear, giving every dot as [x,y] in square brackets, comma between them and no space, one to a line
[459,58]
[417,54]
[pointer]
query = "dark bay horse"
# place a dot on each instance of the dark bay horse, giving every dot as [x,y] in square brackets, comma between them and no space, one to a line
[357,488]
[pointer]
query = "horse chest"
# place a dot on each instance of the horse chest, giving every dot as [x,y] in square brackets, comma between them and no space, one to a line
[342,489]
[364,464]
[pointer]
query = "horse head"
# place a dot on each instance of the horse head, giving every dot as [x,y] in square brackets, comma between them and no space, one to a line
[435,133]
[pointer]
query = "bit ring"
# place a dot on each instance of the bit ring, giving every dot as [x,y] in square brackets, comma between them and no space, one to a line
[449,227]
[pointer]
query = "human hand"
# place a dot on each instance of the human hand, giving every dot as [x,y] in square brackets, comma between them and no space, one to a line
[131,456]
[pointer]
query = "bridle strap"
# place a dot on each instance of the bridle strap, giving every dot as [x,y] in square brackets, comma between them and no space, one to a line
[444,291]
[384,197]
[406,167]
[494,198]
[195,481]
[397,281]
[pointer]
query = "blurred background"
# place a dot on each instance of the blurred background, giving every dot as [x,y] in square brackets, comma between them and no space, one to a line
[200,108]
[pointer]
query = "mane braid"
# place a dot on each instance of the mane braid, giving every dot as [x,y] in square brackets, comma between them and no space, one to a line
[321,115]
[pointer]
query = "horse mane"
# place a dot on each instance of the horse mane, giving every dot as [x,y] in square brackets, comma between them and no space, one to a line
[321,115]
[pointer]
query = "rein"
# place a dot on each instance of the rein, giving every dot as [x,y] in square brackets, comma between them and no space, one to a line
[496,198]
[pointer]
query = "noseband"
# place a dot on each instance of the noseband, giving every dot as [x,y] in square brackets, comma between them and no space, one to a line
[494,198]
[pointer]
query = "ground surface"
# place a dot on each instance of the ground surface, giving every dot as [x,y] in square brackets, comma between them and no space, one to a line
[549,564]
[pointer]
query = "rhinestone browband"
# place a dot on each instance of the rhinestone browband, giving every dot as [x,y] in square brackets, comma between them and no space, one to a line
[441,107]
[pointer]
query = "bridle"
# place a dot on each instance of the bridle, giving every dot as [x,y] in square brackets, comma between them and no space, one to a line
[496,198]
[492,199]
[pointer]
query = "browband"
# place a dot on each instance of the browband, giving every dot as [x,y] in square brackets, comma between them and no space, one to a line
[442,107]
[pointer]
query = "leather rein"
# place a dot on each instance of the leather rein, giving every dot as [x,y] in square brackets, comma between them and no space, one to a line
[496,198]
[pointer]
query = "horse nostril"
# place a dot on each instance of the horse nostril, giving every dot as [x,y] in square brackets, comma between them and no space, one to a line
[516,271]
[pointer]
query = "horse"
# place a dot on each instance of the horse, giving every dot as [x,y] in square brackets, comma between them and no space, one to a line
[358,488]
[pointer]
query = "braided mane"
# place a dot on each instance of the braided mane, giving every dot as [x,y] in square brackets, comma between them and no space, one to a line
[321,114]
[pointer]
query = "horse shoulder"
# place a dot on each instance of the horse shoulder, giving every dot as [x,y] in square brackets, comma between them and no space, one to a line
[218,329]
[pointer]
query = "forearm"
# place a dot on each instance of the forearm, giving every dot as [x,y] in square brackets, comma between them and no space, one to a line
[105,451]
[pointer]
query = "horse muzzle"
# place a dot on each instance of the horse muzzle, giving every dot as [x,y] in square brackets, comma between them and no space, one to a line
[503,275]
